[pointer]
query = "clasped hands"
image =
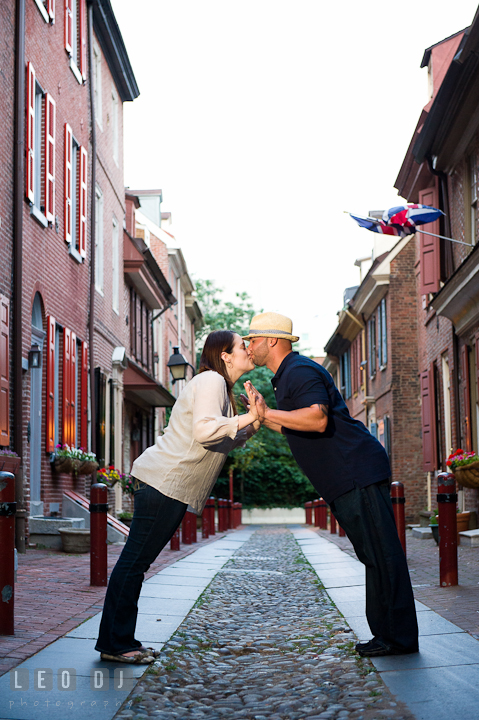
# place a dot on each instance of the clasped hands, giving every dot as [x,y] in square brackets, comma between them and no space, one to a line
[254,402]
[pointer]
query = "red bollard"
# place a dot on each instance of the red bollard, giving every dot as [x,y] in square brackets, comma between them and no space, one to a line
[221,515]
[229,514]
[205,521]
[98,535]
[316,512]
[323,514]
[210,503]
[398,500]
[175,540]
[8,508]
[308,507]
[210,508]
[332,524]
[447,521]
[186,529]
[239,508]
[341,532]
[194,528]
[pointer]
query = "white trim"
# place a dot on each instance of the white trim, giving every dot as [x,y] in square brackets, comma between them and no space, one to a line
[75,254]
[43,10]
[38,215]
[75,71]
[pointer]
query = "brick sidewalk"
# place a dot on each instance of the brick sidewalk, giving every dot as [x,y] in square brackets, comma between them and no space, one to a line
[53,595]
[459,604]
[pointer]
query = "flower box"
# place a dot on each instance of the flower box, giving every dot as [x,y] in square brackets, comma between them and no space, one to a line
[9,464]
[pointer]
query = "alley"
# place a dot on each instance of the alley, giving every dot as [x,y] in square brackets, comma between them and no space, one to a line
[264,641]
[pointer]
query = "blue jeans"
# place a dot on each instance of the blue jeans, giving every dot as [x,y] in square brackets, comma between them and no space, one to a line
[155,520]
[367,516]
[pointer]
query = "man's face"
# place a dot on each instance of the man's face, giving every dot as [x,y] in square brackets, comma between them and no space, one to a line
[258,350]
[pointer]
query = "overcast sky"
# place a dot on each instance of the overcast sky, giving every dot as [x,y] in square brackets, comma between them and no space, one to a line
[263,120]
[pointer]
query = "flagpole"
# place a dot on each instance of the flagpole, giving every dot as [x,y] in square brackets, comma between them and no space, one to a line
[460,242]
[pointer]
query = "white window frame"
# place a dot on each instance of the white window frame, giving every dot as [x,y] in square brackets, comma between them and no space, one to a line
[99,241]
[382,335]
[115,124]
[115,266]
[97,84]
[75,241]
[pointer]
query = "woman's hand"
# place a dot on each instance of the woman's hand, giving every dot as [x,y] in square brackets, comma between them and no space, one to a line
[260,404]
[251,400]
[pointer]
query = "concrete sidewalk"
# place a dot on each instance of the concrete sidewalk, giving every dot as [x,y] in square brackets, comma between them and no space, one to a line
[441,681]
[449,652]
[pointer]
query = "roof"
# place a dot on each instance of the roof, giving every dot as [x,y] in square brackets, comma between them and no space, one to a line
[427,53]
[111,42]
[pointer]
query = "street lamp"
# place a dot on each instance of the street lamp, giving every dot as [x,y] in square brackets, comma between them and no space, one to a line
[178,364]
[35,357]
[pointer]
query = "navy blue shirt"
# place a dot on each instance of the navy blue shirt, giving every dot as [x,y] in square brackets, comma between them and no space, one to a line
[345,455]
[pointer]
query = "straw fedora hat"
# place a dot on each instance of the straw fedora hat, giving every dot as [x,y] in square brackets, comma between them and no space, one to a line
[271,325]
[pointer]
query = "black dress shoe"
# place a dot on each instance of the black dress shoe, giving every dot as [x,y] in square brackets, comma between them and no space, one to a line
[378,648]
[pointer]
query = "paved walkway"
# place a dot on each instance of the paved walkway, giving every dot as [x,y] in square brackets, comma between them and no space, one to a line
[264,641]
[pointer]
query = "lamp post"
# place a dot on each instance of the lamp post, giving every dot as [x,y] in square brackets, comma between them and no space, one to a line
[178,364]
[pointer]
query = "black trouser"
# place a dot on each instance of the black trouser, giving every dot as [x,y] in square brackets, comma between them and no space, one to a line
[155,520]
[366,515]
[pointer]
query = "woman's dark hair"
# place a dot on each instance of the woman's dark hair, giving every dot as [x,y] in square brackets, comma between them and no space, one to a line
[217,342]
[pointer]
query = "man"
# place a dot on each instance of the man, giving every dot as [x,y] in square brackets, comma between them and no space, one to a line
[349,468]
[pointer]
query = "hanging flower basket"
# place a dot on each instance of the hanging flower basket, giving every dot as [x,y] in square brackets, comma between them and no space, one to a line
[465,466]
[9,463]
[468,475]
[87,467]
[62,464]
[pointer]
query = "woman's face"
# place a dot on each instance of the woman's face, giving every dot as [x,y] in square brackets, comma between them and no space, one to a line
[238,362]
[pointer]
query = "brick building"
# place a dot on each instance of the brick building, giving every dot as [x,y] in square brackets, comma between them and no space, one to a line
[81,293]
[373,357]
[441,169]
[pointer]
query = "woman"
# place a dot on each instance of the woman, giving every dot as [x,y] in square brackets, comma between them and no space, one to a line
[180,470]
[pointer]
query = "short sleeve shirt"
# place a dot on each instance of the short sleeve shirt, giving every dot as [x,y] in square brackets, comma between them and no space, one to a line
[345,455]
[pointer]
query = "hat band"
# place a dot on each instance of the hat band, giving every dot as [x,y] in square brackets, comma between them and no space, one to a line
[276,332]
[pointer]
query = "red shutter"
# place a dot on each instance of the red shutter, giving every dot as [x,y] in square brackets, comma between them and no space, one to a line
[50,414]
[429,442]
[83,38]
[466,390]
[430,251]
[66,385]
[84,397]
[73,390]
[49,158]
[69,26]
[68,182]
[30,159]
[83,201]
[4,371]
[51,9]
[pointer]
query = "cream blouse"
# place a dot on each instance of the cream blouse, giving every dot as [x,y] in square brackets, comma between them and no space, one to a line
[185,462]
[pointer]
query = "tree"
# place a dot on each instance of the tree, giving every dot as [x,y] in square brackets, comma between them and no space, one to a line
[267,472]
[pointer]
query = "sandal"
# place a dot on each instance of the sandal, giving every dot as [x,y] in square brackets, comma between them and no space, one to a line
[144,657]
[152,651]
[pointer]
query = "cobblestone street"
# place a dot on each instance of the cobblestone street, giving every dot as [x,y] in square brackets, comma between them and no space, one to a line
[263,641]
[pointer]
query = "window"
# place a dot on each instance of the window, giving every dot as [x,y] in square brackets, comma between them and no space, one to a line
[4,371]
[75,36]
[97,84]
[372,346]
[472,199]
[99,240]
[345,374]
[114,124]
[69,413]
[115,267]
[382,335]
[47,9]
[41,112]
[76,171]
[140,331]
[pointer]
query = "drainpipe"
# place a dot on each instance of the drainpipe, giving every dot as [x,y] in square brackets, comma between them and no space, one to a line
[91,320]
[19,162]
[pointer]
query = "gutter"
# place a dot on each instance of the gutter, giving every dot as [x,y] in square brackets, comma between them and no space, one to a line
[91,319]
[18,188]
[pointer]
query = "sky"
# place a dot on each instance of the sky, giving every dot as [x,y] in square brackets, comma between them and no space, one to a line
[263,121]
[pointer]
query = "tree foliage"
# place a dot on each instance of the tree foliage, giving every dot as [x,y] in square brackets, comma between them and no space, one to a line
[266,474]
